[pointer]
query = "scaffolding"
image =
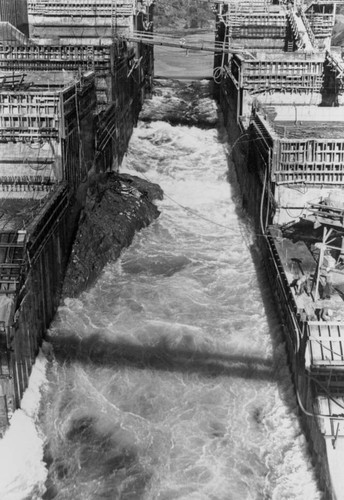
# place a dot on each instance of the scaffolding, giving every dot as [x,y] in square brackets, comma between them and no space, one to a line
[321,18]
[317,160]
[281,72]
[28,116]
[337,66]
[249,21]
[80,20]
[84,8]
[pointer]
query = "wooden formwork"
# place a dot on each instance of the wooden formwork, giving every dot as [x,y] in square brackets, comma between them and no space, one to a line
[120,82]
[102,59]
[32,266]
[12,269]
[48,237]
[280,73]
[79,19]
[55,57]
[256,25]
[77,130]
[310,161]
[252,21]
[321,18]
[313,160]
[115,125]
[28,115]
[64,118]
[322,25]
[81,7]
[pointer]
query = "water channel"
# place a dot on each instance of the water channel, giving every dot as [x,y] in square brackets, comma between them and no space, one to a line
[170,379]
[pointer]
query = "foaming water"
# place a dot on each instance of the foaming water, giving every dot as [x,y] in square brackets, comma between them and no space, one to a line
[170,378]
[23,471]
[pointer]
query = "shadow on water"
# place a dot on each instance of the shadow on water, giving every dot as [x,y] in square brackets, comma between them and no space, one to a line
[249,229]
[281,357]
[251,234]
[83,450]
[100,352]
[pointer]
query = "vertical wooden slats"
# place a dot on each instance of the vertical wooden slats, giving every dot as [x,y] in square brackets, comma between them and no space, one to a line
[35,308]
[315,161]
[326,343]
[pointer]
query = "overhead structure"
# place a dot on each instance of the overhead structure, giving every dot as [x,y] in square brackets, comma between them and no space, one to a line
[166,40]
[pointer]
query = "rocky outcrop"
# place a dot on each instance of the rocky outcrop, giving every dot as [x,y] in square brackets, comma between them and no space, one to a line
[116,206]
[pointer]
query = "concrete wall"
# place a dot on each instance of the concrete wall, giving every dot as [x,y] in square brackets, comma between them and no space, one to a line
[310,425]
[28,311]
[15,12]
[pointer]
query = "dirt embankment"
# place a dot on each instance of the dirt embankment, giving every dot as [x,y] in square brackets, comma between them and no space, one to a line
[117,205]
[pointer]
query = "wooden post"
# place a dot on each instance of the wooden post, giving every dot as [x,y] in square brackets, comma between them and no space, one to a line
[320,261]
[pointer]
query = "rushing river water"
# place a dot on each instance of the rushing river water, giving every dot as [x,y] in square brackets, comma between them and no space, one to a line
[170,378]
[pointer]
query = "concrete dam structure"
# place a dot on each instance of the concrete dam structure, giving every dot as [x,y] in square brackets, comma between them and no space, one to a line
[282,98]
[72,82]
[70,94]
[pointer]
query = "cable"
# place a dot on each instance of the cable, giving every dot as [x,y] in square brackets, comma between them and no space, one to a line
[187,209]
[303,409]
[239,138]
[217,74]
[262,202]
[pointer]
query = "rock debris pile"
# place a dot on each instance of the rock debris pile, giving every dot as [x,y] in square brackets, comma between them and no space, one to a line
[117,205]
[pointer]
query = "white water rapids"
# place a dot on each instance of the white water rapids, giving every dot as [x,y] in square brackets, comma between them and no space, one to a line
[170,380]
